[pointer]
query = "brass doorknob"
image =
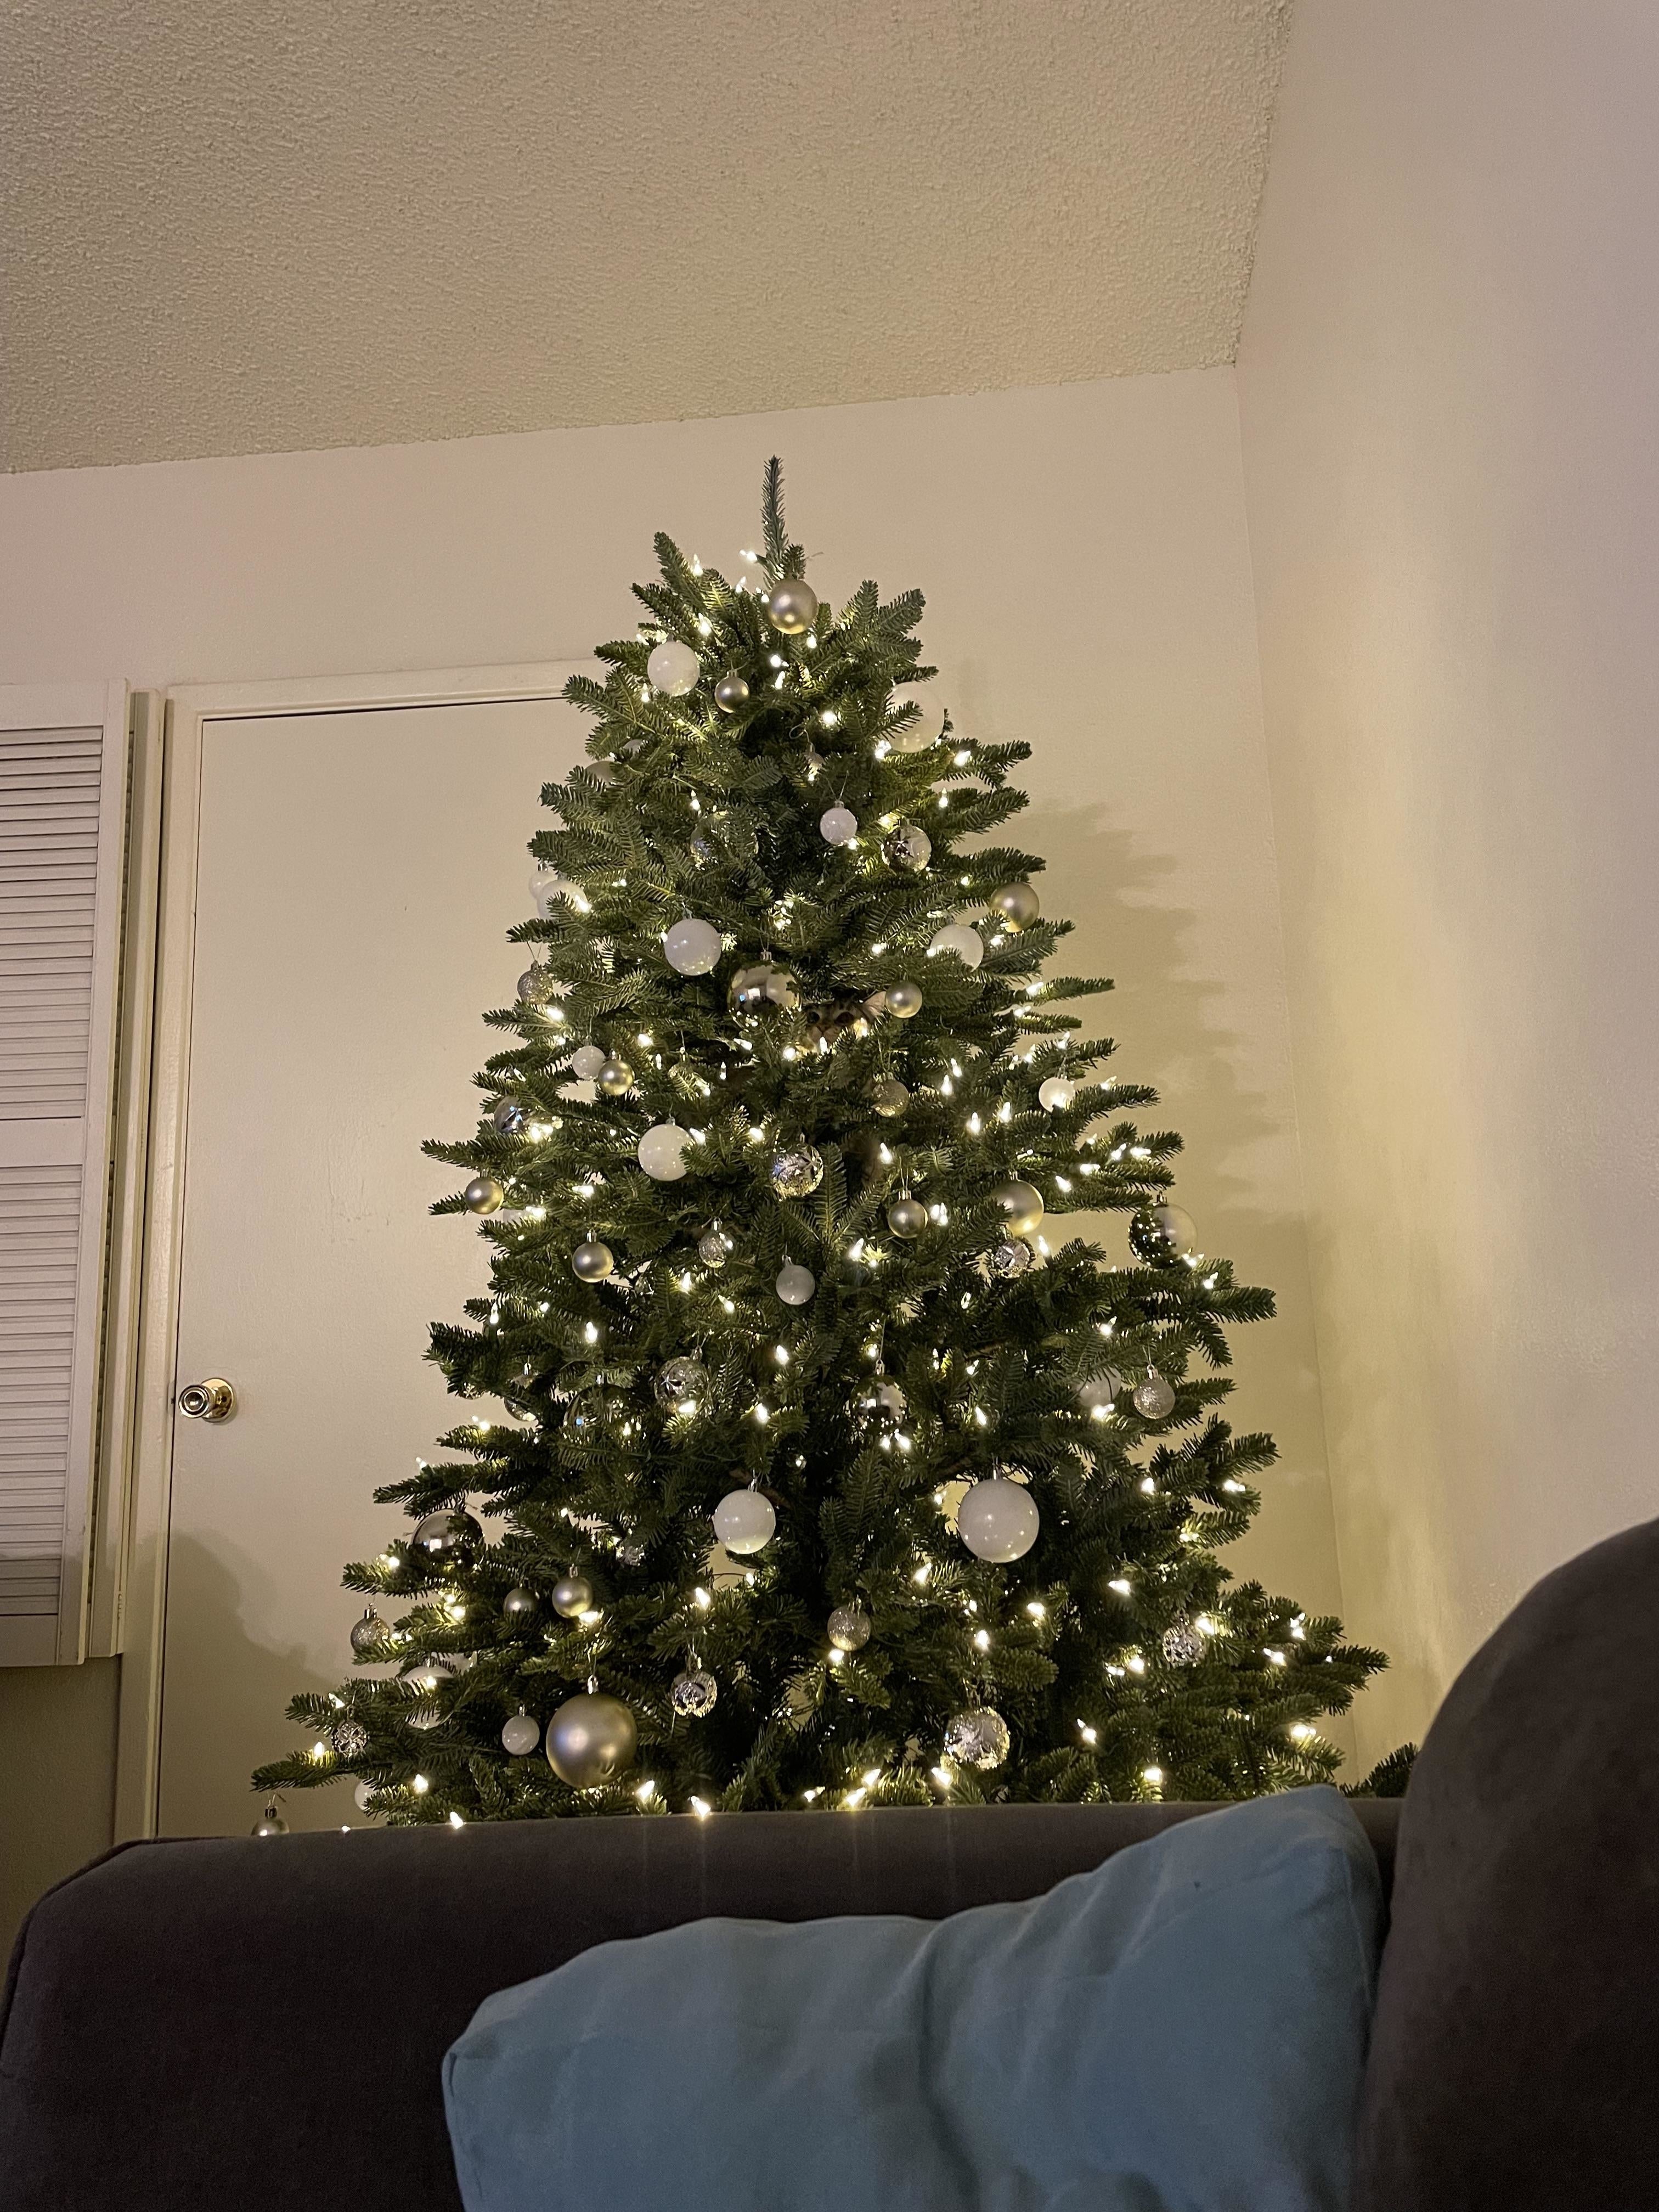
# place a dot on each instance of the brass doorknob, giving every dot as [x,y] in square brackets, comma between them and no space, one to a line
[212,1400]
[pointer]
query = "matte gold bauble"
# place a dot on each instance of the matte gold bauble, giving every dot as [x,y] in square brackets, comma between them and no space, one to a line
[590,1740]
[1018,904]
[792,606]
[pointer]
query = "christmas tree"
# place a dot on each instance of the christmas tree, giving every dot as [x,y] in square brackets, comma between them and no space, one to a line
[831,1472]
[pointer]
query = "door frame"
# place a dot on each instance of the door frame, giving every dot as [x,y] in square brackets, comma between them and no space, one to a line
[190,708]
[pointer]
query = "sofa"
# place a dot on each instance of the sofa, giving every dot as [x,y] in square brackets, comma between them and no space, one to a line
[216,2023]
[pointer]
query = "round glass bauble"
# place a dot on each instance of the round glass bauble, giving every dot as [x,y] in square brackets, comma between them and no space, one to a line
[889,1098]
[673,668]
[446,1536]
[590,1739]
[715,1247]
[731,692]
[795,1284]
[906,1217]
[907,849]
[587,1060]
[520,1734]
[692,947]
[978,1738]
[1008,1261]
[1183,1643]
[760,987]
[1017,905]
[483,1194]
[792,605]
[884,1400]
[1020,1204]
[998,1520]
[958,937]
[849,1628]
[1164,1232]
[592,1261]
[509,1117]
[929,725]
[681,1383]
[796,1170]
[662,1151]
[1154,1398]
[904,1000]
[535,987]
[838,825]
[572,1594]
[745,1520]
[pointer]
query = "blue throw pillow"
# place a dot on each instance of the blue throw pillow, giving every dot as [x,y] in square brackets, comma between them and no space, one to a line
[1183,2030]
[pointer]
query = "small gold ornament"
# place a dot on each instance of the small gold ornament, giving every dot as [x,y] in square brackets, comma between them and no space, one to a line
[1020,1204]
[483,1194]
[1018,904]
[792,605]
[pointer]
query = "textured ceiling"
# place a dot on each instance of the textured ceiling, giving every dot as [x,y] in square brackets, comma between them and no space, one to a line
[239,228]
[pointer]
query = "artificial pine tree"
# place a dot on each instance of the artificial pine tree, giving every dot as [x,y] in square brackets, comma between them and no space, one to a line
[832,1472]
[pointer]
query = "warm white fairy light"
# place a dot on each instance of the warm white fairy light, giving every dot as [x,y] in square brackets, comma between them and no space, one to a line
[646,1792]
[982,1639]
[1122,1584]
[1088,1734]
[701,1808]
[420,1785]
[456,1821]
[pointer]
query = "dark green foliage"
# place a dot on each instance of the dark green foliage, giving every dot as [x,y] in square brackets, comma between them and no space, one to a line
[1388,1777]
[687,810]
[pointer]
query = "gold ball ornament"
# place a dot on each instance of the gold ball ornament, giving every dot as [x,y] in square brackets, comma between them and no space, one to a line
[592,1261]
[792,605]
[520,1604]
[731,692]
[889,1098]
[1018,904]
[1020,1204]
[571,1594]
[615,1077]
[906,1217]
[483,1194]
[904,1000]
[591,1739]
[270,1822]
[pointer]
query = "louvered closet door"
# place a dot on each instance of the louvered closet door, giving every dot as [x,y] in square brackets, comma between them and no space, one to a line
[63,787]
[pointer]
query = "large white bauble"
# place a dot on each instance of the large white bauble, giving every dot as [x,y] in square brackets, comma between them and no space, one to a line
[692,947]
[928,730]
[795,1284]
[838,825]
[673,668]
[520,1735]
[998,1520]
[744,1521]
[546,886]
[662,1151]
[1056,1094]
[587,1060]
[958,937]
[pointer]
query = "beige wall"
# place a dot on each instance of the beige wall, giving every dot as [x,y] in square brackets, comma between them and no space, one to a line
[1084,556]
[56,1778]
[1449,395]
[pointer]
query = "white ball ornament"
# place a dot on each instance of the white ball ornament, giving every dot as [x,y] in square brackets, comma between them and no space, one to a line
[838,825]
[692,947]
[998,1520]
[795,1284]
[673,668]
[929,726]
[745,1521]
[520,1735]
[957,937]
[662,1151]
[547,885]
[1056,1094]
[587,1061]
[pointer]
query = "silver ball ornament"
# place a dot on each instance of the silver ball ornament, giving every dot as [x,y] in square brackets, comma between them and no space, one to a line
[1018,904]
[662,1151]
[849,1628]
[1183,1644]
[838,825]
[591,1739]
[509,1116]
[885,1399]
[761,986]
[906,1217]
[483,1194]
[694,1693]
[998,1520]
[615,1076]
[692,947]
[795,1171]
[795,1284]
[1164,1232]
[1056,1094]
[270,1822]
[520,1604]
[587,1060]
[889,1098]
[958,938]
[979,1738]
[792,605]
[1020,1204]
[520,1735]
[673,668]
[367,1632]
[681,1383]
[592,1261]
[572,1594]
[715,1247]
[904,1000]
[349,1739]
[1154,1398]
[445,1537]
[1008,1261]
[731,692]
[745,1520]
[907,848]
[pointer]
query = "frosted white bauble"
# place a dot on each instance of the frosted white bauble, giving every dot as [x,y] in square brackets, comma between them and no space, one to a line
[745,1522]
[587,1061]
[998,1520]
[692,947]
[1056,1094]
[520,1735]
[363,1796]
[838,825]
[957,937]
[673,668]
[795,1284]
[929,727]
[546,886]
[662,1151]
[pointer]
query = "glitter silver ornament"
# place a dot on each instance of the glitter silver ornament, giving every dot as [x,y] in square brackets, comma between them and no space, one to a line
[572,1594]
[904,1000]
[907,848]
[535,987]
[1020,1204]
[367,1632]
[1017,903]
[795,1284]
[520,1734]
[715,1247]
[906,1217]
[270,1822]
[615,1076]
[630,1555]
[509,1117]
[587,1060]
[682,1383]
[979,1738]
[520,1604]
[1164,1233]
[1154,1398]
[731,692]
[998,1520]
[673,668]
[590,1739]
[744,1521]
[445,1537]
[958,938]
[483,1194]
[661,1152]
[692,947]
[792,606]
[694,1694]
[838,825]
[1056,1094]
[849,1628]
[889,1098]
[1183,1644]
[349,1739]
[1006,1262]
[592,1261]
[796,1171]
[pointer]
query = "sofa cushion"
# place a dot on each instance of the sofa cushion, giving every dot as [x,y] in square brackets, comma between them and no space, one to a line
[1184,2026]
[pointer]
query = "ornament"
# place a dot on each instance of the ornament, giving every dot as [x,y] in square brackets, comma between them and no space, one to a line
[426,1718]
[957,937]
[1056,1094]
[1020,1204]
[364,1796]
[792,606]
[908,848]
[744,1521]
[673,668]
[694,1694]
[730,692]
[535,987]
[590,1739]
[753,989]
[1008,1261]
[906,1217]
[1183,1643]
[889,1098]
[630,1555]
[904,1000]
[692,947]
[509,1117]
[446,1537]
[349,1739]
[367,1632]
[585,1417]
[483,1194]
[519,1604]
[1095,1395]
[1164,1232]
[1154,1398]
[587,1060]
[547,888]
[796,1171]
[838,825]
[681,1383]
[662,1151]
[849,1628]
[520,1734]
[998,1520]
[929,726]
[572,1594]
[795,1285]
[270,1822]
[886,1400]
[979,1738]
[591,1261]
[715,1247]
[615,1076]
[1018,904]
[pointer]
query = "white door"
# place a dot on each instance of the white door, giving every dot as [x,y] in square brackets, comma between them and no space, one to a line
[356,875]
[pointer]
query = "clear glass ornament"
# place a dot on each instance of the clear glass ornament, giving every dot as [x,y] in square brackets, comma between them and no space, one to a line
[510,1117]
[715,1247]
[907,849]
[978,1738]
[1183,1643]
[849,1628]
[889,1098]
[682,1383]
[796,1171]
[1154,1398]
[1006,1262]
[694,1694]
[929,725]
